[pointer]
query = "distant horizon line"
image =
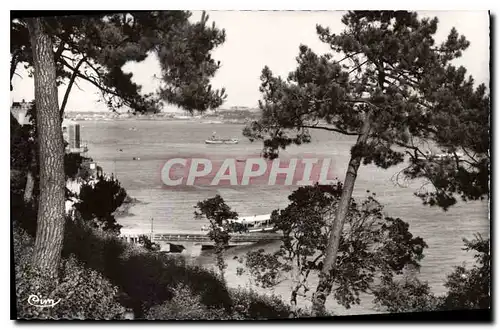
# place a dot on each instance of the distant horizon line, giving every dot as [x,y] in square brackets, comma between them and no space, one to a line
[167,109]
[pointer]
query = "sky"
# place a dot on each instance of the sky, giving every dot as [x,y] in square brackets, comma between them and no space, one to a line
[258,38]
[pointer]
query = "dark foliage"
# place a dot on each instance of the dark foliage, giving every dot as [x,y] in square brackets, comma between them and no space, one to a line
[76,286]
[471,288]
[95,49]
[98,200]
[467,288]
[146,277]
[373,247]
[408,294]
[388,68]
[148,244]
[248,305]
[74,166]
[219,214]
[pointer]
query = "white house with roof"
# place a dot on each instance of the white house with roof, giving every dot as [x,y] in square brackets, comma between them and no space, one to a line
[19,111]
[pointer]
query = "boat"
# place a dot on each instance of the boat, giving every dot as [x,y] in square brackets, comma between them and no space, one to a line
[253,224]
[221,141]
[441,156]
[212,122]
[256,223]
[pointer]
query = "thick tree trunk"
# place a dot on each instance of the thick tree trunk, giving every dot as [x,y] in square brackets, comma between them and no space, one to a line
[326,276]
[50,222]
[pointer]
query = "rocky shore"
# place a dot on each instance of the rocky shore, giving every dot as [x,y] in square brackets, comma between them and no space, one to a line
[124,210]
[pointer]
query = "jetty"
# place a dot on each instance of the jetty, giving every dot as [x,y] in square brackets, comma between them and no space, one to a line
[192,243]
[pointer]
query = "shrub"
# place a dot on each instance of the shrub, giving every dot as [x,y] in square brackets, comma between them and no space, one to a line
[467,288]
[248,304]
[74,166]
[157,286]
[83,293]
[405,295]
[149,245]
[22,214]
[470,288]
[185,305]
[155,283]
[148,278]
[98,201]
[245,305]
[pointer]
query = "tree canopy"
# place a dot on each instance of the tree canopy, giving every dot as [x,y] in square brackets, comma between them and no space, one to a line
[397,91]
[219,215]
[388,65]
[374,248]
[94,48]
[98,200]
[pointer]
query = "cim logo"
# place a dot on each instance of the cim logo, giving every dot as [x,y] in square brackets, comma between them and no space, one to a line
[39,302]
[202,170]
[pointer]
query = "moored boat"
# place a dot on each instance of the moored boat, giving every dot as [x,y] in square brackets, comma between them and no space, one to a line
[442,156]
[221,141]
[257,223]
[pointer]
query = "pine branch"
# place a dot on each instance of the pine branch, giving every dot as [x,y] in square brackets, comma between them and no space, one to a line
[331,129]
[76,70]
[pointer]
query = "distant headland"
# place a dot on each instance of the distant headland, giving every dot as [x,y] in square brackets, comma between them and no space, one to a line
[236,115]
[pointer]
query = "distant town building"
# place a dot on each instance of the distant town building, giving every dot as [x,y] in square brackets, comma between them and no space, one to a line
[71,134]
[19,111]
[71,129]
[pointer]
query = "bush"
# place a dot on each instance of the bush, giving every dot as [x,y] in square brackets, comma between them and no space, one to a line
[155,283]
[185,305]
[22,214]
[23,246]
[156,286]
[470,288]
[98,201]
[406,295]
[74,166]
[245,305]
[467,288]
[248,304]
[147,278]
[149,245]
[83,293]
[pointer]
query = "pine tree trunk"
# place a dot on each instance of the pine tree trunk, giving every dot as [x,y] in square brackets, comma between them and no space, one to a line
[326,276]
[50,221]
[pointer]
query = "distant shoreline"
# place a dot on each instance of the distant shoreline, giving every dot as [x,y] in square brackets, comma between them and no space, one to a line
[241,116]
[194,120]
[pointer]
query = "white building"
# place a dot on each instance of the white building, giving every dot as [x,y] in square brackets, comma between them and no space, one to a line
[19,110]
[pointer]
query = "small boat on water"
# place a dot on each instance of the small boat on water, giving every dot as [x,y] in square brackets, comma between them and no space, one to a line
[218,140]
[221,141]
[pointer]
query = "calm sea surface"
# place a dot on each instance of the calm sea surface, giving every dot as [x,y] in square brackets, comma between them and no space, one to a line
[156,141]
